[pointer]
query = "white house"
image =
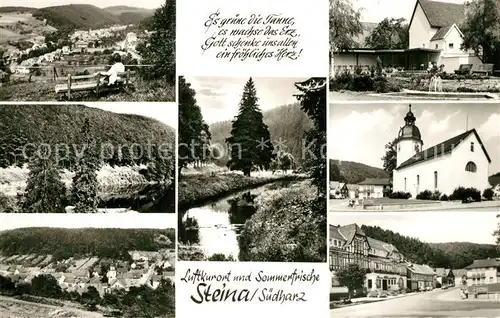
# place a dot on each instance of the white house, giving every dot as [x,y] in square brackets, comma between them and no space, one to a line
[483,271]
[373,188]
[458,161]
[434,36]
[434,25]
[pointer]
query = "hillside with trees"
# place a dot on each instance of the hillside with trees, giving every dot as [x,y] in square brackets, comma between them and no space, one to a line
[286,123]
[353,172]
[64,243]
[84,16]
[455,255]
[62,125]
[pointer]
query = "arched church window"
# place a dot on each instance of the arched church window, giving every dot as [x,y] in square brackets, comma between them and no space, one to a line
[435,179]
[471,167]
[405,184]
[418,180]
[472,147]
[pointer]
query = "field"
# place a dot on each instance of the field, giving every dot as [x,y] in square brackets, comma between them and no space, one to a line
[15,26]
[10,307]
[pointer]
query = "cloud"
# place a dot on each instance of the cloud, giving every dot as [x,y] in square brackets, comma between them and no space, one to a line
[439,126]
[490,128]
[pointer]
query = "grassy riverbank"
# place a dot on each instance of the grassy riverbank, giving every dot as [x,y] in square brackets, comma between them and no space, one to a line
[198,189]
[287,227]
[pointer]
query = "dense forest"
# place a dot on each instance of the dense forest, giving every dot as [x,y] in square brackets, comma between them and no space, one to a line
[287,122]
[122,136]
[84,16]
[455,255]
[353,172]
[100,242]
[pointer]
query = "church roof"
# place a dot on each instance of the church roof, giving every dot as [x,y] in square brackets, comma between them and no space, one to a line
[442,149]
[441,14]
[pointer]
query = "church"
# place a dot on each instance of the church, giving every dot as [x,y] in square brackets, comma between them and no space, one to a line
[458,161]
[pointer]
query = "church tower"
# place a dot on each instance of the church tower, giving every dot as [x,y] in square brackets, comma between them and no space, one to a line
[409,141]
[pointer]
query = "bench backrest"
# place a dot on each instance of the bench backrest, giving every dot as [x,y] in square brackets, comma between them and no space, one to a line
[485,67]
[465,67]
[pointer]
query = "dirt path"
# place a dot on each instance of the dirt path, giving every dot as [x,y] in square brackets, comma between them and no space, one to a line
[11,307]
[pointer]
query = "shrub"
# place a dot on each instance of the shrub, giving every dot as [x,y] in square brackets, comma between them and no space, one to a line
[462,193]
[400,195]
[342,81]
[444,197]
[383,85]
[436,195]
[361,83]
[488,194]
[221,258]
[7,204]
[424,195]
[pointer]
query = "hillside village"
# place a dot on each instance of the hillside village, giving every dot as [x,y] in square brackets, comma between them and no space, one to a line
[106,275]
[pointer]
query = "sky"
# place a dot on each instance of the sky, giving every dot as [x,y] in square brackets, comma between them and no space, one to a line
[377,10]
[132,220]
[429,227]
[359,132]
[147,4]
[164,112]
[219,97]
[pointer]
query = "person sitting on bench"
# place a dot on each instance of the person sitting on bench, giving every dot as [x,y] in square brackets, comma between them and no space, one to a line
[111,76]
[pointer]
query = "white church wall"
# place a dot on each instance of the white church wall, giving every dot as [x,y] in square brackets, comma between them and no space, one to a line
[451,171]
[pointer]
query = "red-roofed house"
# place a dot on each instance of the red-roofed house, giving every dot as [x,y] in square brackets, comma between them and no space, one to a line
[458,161]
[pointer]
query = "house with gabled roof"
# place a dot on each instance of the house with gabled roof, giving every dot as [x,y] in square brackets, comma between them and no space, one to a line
[435,25]
[420,277]
[444,276]
[384,263]
[374,188]
[458,161]
[483,271]
[460,275]
[434,37]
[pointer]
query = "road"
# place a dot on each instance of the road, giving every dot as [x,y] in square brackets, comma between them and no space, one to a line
[436,303]
[485,206]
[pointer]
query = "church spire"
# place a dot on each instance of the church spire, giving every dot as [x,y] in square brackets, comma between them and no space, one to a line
[410,118]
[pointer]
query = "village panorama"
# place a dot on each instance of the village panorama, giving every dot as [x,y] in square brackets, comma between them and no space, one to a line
[84,52]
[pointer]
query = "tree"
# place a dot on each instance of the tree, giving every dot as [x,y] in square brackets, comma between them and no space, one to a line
[285,160]
[91,298]
[45,286]
[335,174]
[390,157]
[193,131]
[481,30]
[313,103]
[159,48]
[391,33]
[45,192]
[85,185]
[344,25]
[352,277]
[250,141]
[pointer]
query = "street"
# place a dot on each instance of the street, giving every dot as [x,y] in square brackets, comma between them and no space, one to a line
[485,206]
[436,303]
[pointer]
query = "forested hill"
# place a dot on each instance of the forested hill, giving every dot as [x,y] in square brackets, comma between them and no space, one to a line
[63,243]
[287,122]
[62,124]
[353,172]
[85,16]
[455,255]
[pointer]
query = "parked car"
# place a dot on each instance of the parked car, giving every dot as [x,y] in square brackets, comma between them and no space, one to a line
[444,287]
[429,288]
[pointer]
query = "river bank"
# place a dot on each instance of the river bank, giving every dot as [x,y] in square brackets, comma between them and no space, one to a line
[195,190]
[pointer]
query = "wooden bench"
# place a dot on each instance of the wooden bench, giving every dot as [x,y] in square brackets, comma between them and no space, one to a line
[92,82]
[485,69]
[464,69]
